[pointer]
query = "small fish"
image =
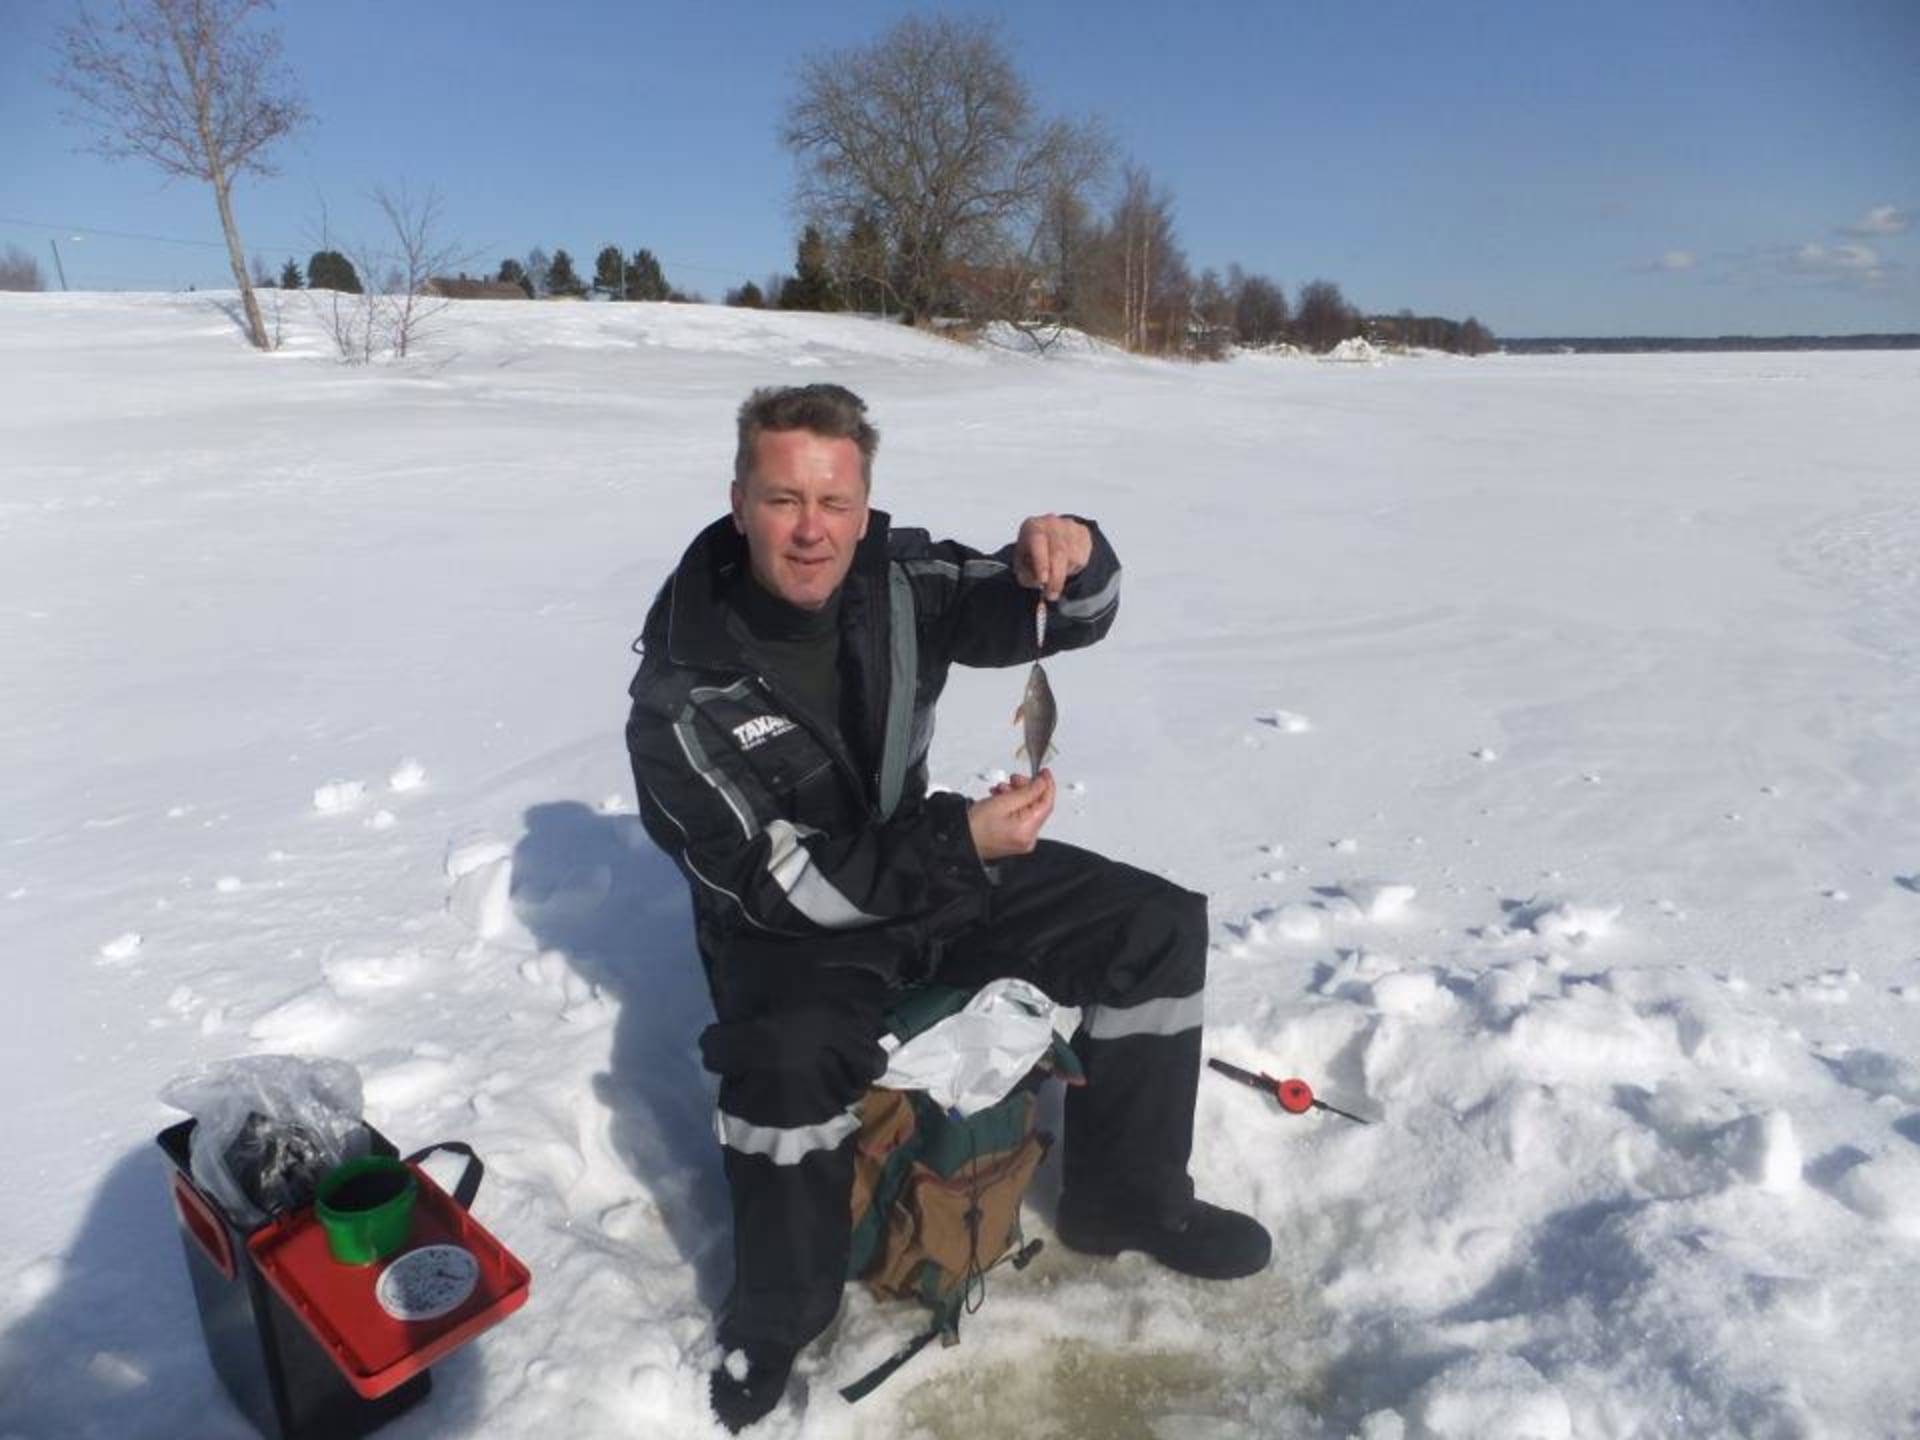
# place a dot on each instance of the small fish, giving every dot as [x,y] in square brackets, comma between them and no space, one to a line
[1038,715]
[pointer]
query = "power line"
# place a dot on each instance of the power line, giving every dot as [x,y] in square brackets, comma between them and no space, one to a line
[82,231]
[85,230]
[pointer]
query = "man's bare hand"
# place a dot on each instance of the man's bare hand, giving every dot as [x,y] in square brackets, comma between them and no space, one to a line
[1051,550]
[1008,821]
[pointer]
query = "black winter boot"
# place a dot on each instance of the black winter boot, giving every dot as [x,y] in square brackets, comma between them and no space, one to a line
[1189,1236]
[748,1382]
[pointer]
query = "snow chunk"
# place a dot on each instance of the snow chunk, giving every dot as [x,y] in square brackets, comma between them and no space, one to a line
[1407,992]
[304,1024]
[1568,924]
[122,947]
[1380,900]
[1484,755]
[1505,990]
[1297,922]
[338,795]
[409,774]
[1491,1397]
[356,975]
[1885,1190]
[382,820]
[482,897]
[465,859]
[1764,1150]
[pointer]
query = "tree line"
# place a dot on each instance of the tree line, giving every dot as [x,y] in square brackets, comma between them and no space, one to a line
[933,187]
[930,185]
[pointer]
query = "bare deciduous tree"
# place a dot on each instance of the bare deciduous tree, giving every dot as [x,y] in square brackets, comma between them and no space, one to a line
[1259,309]
[1323,318]
[392,315]
[191,87]
[20,271]
[1143,287]
[419,255]
[930,133]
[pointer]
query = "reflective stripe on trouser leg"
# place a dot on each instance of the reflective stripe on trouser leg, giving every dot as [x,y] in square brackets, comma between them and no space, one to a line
[1128,948]
[788,1052]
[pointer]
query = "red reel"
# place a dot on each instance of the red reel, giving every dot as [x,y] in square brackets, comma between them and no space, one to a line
[1295,1096]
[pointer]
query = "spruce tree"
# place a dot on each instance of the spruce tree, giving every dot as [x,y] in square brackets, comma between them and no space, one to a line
[561,279]
[811,287]
[330,270]
[290,275]
[512,272]
[866,266]
[609,272]
[645,279]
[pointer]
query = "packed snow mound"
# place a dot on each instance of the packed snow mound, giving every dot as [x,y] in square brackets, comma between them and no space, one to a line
[1355,350]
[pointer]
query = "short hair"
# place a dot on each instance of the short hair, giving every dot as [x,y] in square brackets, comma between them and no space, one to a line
[832,411]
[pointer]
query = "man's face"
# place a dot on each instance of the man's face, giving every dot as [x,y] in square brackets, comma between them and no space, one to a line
[803,510]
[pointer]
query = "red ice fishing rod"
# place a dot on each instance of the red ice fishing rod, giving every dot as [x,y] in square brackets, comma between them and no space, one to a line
[1296,1097]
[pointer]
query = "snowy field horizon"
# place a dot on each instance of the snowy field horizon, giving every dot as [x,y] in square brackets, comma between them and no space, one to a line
[1545,731]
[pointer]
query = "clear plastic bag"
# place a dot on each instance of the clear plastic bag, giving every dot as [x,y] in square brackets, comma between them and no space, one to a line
[267,1127]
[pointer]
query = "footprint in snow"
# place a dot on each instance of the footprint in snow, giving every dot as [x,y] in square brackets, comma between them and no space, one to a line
[1287,722]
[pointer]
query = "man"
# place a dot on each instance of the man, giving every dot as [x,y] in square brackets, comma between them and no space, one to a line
[781,720]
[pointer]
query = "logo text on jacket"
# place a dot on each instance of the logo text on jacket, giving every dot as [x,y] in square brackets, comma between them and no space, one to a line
[760,729]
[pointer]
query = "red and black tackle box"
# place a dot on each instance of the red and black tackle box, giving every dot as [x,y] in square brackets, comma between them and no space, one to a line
[311,1349]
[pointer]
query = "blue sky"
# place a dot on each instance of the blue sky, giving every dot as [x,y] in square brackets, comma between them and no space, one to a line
[1553,168]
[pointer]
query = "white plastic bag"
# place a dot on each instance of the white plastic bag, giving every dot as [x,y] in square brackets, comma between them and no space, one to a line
[267,1127]
[973,1058]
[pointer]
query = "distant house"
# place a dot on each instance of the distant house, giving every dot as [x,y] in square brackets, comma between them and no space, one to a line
[461,288]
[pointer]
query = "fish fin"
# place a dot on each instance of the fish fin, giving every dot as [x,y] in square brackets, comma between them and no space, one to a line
[1019,713]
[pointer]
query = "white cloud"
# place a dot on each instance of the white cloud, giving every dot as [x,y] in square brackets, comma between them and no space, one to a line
[1880,220]
[1675,260]
[1814,258]
[1846,265]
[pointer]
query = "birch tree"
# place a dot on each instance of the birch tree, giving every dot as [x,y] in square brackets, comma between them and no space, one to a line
[192,87]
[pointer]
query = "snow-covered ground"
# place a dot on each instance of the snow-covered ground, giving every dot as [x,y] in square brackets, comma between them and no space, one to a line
[1546,732]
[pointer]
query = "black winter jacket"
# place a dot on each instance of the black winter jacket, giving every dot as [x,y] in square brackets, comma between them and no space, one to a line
[782,834]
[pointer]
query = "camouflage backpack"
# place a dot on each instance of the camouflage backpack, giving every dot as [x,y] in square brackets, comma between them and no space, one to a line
[936,1194]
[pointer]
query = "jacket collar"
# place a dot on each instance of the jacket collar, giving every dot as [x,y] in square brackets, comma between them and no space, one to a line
[696,607]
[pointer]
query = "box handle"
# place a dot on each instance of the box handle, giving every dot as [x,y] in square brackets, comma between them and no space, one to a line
[469,1183]
[197,1216]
